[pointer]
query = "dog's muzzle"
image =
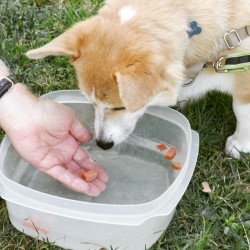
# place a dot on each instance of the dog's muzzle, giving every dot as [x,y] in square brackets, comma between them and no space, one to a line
[104,144]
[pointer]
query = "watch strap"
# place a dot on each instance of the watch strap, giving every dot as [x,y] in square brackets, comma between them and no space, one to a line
[5,85]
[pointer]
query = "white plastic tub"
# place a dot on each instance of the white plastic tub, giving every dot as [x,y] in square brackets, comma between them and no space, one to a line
[140,198]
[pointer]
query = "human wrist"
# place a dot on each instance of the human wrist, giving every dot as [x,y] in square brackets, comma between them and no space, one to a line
[5,86]
[15,106]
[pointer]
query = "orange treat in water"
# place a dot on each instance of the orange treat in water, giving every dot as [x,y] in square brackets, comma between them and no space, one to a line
[89,175]
[176,166]
[161,147]
[170,154]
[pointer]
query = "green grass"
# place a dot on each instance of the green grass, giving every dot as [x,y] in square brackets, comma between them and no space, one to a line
[220,220]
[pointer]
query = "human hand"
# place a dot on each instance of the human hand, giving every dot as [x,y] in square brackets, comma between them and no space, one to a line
[48,136]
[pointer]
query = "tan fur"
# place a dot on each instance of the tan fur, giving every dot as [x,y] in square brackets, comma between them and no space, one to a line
[129,63]
[242,88]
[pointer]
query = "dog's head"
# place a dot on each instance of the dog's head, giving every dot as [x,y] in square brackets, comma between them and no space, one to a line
[118,72]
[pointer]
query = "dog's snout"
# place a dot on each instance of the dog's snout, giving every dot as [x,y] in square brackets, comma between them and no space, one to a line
[104,144]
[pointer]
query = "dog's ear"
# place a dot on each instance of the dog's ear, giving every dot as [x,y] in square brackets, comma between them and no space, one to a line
[137,85]
[67,44]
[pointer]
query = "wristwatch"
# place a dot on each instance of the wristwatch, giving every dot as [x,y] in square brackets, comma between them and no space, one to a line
[5,85]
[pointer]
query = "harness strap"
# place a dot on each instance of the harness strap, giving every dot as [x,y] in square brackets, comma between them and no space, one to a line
[235,37]
[237,62]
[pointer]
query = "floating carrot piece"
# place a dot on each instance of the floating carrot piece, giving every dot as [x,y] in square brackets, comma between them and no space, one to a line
[161,147]
[176,166]
[170,154]
[89,175]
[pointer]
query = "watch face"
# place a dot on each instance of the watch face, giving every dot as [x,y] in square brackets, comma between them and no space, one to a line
[5,85]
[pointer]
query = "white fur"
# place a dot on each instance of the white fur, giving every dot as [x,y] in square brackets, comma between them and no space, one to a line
[92,96]
[114,126]
[126,13]
[206,82]
[99,121]
[176,67]
[164,99]
[91,99]
[240,140]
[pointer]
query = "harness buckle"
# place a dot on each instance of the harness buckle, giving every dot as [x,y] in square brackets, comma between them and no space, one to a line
[220,64]
[228,40]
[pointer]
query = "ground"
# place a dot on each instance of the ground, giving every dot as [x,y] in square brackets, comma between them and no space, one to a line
[219,220]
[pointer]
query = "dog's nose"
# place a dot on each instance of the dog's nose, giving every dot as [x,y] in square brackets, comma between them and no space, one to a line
[104,145]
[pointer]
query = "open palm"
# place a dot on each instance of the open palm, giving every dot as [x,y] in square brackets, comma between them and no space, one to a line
[49,138]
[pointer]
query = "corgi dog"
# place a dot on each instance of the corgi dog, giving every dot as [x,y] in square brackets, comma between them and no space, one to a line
[136,54]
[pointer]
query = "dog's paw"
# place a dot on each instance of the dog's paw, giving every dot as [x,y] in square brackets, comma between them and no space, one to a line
[234,146]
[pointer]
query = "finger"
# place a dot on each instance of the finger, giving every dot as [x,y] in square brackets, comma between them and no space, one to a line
[99,184]
[95,184]
[102,175]
[83,160]
[80,133]
[69,179]
[100,180]
[74,168]
[94,190]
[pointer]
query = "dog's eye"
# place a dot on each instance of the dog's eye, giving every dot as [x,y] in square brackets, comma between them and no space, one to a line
[118,108]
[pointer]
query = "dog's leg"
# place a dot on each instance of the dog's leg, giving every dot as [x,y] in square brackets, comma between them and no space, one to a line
[240,140]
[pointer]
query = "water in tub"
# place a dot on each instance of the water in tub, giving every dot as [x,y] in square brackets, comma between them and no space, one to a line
[138,172]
